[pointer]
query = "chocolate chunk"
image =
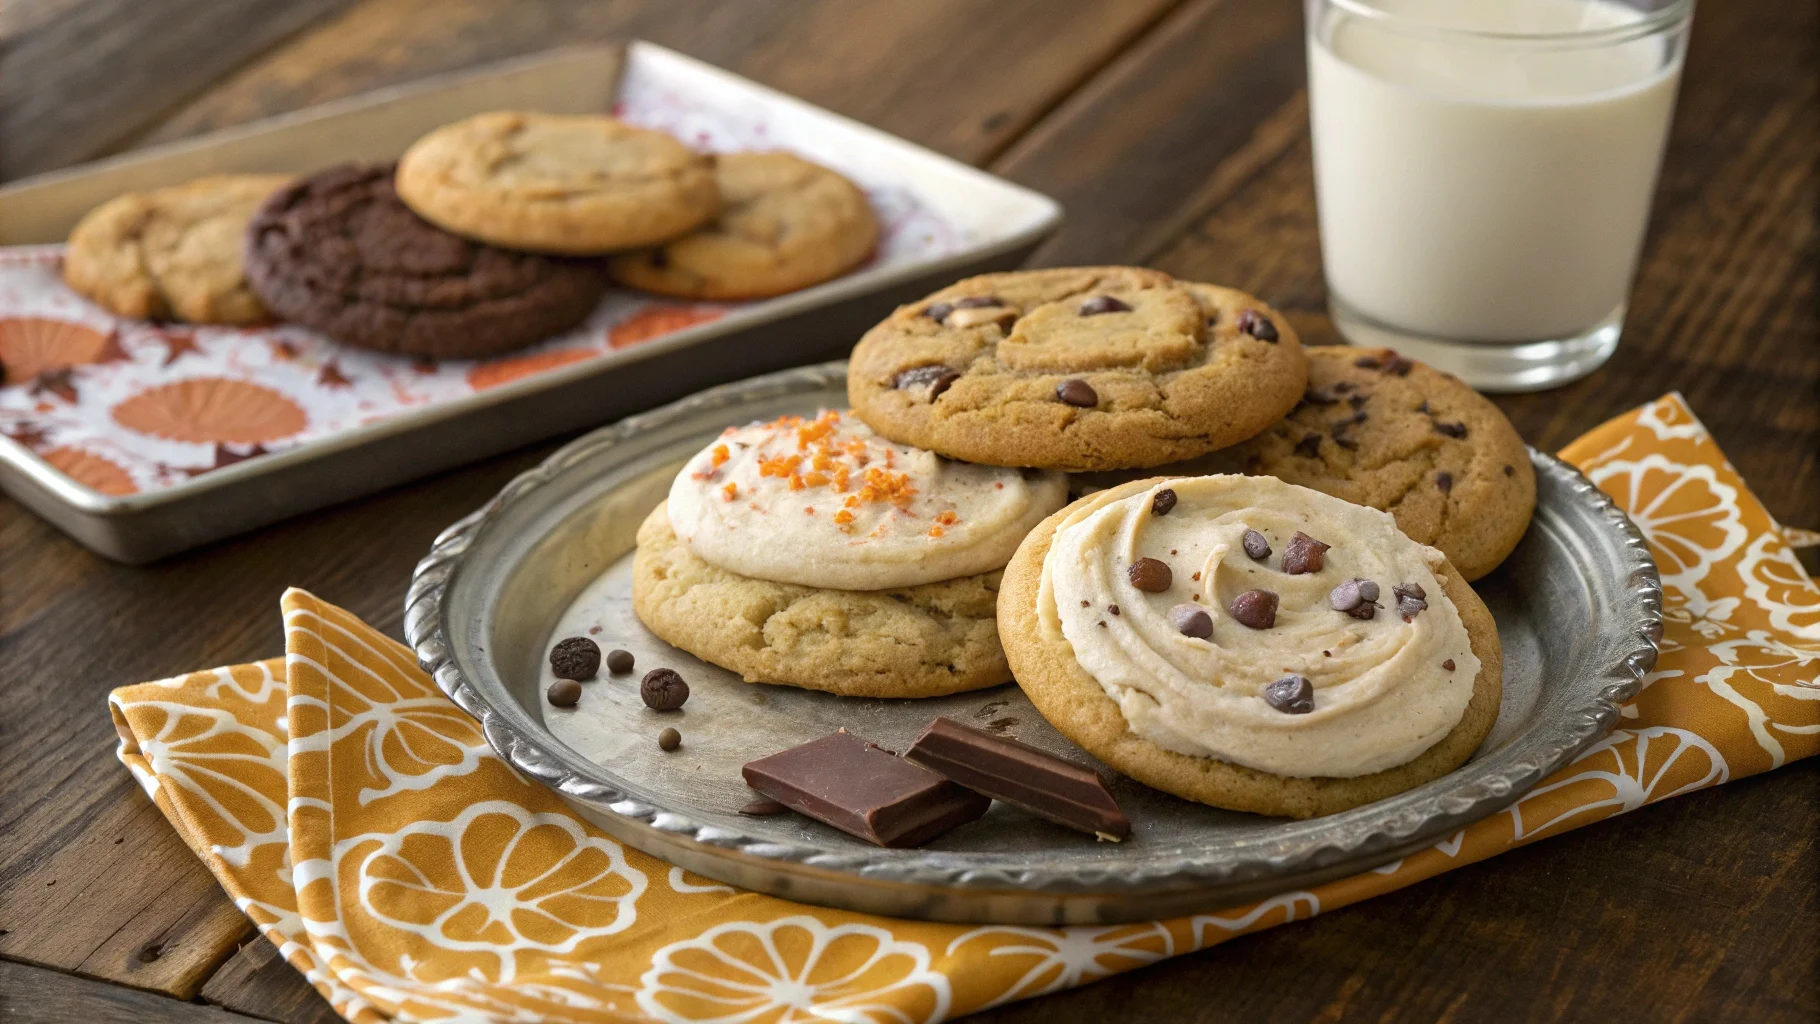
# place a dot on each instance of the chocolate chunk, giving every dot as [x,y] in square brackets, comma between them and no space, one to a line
[1448,664]
[1357,401]
[1292,695]
[1077,392]
[1257,325]
[1367,362]
[1309,445]
[1453,430]
[1113,608]
[1444,480]
[919,376]
[1398,365]
[575,658]
[1340,387]
[1150,575]
[1017,773]
[1410,607]
[1255,608]
[1368,589]
[1191,620]
[1163,502]
[1510,470]
[1315,396]
[663,690]
[939,311]
[1410,590]
[1102,304]
[1304,554]
[619,662]
[1356,597]
[669,739]
[1256,545]
[1343,439]
[564,693]
[863,790]
[761,807]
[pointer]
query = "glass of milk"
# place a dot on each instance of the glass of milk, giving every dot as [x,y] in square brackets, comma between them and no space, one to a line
[1484,169]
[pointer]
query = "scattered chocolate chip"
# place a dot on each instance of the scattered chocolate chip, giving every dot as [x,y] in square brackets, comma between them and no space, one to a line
[1367,362]
[762,806]
[1102,304]
[1316,396]
[1113,608]
[1257,325]
[1357,401]
[619,662]
[1191,620]
[1163,502]
[1304,554]
[919,376]
[1150,575]
[1077,392]
[1292,695]
[1398,365]
[1444,480]
[1256,545]
[1410,607]
[939,311]
[1410,590]
[1448,664]
[1353,594]
[1340,387]
[564,693]
[1453,430]
[1102,623]
[1309,445]
[669,739]
[663,690]
[1510,470]
[575,658]
[1255,608]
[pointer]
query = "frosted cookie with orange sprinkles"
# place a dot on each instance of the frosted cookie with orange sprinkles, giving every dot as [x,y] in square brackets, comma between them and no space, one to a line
[813,553]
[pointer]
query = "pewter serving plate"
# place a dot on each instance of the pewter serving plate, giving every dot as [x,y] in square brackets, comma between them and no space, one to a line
[1577,606]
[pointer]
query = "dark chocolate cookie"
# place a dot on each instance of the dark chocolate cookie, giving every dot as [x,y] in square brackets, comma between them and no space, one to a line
[340,253]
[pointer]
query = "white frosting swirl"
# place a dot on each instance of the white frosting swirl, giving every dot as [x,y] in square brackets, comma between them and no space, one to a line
[1381,692]
[825,502]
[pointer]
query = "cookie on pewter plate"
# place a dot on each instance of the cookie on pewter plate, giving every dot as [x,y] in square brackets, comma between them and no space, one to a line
[339,253]
[569,184]
[1250,644]
[1377,429]
[784,224]
[1084,368]
[811,552]
[172,253]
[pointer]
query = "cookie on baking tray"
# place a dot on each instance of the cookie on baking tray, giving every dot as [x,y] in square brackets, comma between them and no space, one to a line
[1377,429]
[784,224]
[339,253]
[812,553]
[1250,644]
[1083,368]
[567,184]
[171,253]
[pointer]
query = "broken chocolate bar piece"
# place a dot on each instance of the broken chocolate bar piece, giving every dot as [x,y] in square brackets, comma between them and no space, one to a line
[864,790]
[1017,773]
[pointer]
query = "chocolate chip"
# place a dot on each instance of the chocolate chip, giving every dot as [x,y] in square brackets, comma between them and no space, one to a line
[1410,590]
[942,383]
[1358,401]
[1150,575]
[1344,440]
[1292,695]
[669,739]
[763,806]
[1304,554]
[1257,325]
[939,311]
[1410,607]
[1453,430]
[1367,362]
[1340,387]
[1368,589]
[1315,396]
[1510,470]
[920,376]
[1113,608]
[1077,392]
[1448,664]
[1424,409]
[619,662]
[1444,480]
[563,693]
[1255,608]
[1191,620]
[1345,597]
[1309,445]
[663,690]
[1256,545]
[1398,365]
[1163,502]
[1102,304]
[575,658]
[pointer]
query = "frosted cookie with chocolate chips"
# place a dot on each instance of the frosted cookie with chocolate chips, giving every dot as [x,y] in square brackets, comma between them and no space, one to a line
[784,224]
[1377,429]
[1086,368]
[812,553]
[1250,644]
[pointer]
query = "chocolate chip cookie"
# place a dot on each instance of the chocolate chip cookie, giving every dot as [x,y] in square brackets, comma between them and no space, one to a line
[340,253]
[171,253]
[1377,429]
[784,224]
[573,185]
[1084,368]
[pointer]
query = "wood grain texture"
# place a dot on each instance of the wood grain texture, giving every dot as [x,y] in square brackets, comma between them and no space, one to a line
[33,995]
[257,981]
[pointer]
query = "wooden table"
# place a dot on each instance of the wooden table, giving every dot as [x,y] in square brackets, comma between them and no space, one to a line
[1175,133]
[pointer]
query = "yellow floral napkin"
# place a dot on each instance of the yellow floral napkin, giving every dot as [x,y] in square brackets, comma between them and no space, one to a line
[360,819]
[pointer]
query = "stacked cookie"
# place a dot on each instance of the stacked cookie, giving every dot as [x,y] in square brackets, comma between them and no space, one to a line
[490,234]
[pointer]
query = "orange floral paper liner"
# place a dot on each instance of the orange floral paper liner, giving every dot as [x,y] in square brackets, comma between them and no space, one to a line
[362,822]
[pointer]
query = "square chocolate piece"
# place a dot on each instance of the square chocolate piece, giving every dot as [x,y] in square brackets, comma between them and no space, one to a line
[864,790]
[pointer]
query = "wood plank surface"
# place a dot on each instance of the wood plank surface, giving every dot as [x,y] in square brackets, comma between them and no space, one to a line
[258,982]
[33,995]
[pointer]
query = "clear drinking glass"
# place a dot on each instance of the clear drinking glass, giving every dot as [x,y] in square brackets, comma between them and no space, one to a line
[1483,170]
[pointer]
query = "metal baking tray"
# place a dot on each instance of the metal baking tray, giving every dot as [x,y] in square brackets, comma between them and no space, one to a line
[1578,607]
[991,224]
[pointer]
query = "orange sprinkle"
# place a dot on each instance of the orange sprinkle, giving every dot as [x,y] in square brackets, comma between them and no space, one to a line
[796,481]
[844,516]
[1197,576]
[821,427]
[809,510]
[935,531]
[781,465]
[821,460]
[730,491]
[998,485]
[814,479]
[719,455]
[840,479]
[948,518]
